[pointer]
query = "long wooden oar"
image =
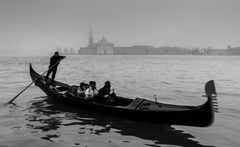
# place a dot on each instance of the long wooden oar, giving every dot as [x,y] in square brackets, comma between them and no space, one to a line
[32,82]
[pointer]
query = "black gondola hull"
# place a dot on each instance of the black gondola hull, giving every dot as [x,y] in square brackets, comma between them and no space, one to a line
[198,116]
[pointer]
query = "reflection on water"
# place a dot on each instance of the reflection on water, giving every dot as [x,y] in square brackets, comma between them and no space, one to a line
[48,116]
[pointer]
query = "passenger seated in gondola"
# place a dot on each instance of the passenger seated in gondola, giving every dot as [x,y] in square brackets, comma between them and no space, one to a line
[81,89]
[105,96]
[91,92]
[72,91]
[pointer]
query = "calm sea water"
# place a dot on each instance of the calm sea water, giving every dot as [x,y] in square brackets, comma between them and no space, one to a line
[35,121]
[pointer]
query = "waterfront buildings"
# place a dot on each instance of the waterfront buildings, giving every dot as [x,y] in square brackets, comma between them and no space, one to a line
[102,47]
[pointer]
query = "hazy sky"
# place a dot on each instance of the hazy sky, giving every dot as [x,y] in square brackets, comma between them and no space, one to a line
[39,26]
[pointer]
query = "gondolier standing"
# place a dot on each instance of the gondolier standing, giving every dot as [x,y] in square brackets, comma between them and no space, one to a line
[53,65]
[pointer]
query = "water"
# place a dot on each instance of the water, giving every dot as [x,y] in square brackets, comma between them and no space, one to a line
[36,121]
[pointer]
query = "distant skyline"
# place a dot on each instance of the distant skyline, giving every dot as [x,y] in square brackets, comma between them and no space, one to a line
[40,26]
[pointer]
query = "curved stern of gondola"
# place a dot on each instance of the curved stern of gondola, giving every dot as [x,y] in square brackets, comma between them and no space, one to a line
[211,94]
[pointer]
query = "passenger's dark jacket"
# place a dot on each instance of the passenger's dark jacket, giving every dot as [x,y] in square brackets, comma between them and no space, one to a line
[104,91]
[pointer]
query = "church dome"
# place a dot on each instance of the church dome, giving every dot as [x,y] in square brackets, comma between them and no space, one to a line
[103,40]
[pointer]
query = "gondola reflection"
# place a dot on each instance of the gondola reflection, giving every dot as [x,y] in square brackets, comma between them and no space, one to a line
[48,115]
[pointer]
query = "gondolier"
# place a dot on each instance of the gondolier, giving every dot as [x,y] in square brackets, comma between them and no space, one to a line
[53,65]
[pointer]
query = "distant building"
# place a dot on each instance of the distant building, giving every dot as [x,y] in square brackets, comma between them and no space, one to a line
[71,50]
[101,47]
[234,51]
[105,47]
[65,50]
[134,50]
[220,52]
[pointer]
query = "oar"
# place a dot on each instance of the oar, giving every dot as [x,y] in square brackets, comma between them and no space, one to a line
[32,82]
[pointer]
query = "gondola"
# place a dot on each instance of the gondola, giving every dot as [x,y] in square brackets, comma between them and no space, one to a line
[138,109]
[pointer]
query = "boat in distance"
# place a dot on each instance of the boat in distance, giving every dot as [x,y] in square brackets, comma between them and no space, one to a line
[138,109]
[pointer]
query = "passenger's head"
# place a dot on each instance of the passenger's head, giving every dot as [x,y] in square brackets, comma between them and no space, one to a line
[86,86]
[92,83]
[82,84]
[107,84]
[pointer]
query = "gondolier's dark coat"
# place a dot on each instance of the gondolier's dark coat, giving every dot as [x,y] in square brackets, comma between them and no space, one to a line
[53,60]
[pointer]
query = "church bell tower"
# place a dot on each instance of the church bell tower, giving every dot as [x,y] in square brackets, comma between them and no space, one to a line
[90,37]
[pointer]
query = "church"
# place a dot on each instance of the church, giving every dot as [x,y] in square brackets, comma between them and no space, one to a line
[101,47]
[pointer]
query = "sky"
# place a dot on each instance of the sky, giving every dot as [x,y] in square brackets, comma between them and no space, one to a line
[40,26]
